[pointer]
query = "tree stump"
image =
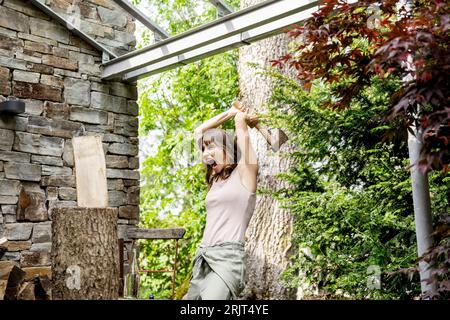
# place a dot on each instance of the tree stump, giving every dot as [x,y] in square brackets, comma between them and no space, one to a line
[85,258]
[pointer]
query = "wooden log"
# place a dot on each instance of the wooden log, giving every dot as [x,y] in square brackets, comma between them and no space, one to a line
[170,233]
[33,272]
[43,288]
[3,284]
[26,291]
[90,167]
[3,249]
[14,276]
[84,253]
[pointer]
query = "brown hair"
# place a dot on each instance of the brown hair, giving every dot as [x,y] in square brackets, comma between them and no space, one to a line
[228,143]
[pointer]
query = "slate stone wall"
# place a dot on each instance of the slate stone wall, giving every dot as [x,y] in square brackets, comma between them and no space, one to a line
[58,76]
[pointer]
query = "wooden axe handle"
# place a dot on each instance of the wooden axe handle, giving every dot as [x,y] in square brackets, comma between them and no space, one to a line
[275,142]
[265,132]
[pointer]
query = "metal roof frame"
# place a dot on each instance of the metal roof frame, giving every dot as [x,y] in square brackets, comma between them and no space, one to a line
[222,8]
[233,30]
[160,33]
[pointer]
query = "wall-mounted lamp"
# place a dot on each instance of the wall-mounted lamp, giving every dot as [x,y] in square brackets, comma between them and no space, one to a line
[12,106]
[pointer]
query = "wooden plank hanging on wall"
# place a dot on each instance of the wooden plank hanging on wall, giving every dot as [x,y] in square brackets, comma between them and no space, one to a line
[90,166]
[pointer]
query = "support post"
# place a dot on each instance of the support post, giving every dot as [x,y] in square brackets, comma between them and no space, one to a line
[422,210]
[419,184]
[121,273]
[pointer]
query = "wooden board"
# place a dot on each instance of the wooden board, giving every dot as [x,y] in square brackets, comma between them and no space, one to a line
[170,233]
[90,166]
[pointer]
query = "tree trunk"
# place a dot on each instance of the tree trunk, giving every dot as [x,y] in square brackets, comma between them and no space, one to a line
[268,238]
[85,253]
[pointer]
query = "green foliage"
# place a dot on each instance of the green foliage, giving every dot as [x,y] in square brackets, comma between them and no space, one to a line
[351,194]
[173,187]
[359,40]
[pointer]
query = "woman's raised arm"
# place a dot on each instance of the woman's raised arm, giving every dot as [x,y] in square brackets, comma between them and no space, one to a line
[214,122]
[248,163]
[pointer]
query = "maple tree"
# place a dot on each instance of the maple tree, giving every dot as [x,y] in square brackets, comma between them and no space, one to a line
[348,45]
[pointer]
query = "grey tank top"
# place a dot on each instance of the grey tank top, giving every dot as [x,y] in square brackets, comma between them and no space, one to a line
[229,207]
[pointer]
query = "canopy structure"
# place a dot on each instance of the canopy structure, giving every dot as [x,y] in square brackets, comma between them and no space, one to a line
[159,32]
[232,30]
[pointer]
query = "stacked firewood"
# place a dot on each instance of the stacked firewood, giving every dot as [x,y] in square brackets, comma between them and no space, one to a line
[16,284]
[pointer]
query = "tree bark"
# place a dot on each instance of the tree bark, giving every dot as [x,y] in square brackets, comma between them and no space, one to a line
[268,237]
[85,253]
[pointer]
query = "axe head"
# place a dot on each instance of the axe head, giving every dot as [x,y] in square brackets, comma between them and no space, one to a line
[278,139]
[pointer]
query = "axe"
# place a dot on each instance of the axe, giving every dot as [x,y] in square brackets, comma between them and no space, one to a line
[275,139]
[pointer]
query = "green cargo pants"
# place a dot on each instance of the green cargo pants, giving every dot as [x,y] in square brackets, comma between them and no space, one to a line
[218,272]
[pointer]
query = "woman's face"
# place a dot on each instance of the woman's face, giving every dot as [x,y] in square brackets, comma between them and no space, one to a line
[214,156]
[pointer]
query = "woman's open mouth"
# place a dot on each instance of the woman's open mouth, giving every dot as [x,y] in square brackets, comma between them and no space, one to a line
[212,163]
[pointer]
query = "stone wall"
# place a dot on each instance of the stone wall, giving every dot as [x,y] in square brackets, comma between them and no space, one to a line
[58,76]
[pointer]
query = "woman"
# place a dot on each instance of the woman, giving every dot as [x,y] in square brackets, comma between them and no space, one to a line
[231,170]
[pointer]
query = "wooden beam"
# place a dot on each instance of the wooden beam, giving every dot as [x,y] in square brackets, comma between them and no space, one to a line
[173,233]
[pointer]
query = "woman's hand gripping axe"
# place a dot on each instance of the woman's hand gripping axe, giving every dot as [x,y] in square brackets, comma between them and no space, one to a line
[275,138]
